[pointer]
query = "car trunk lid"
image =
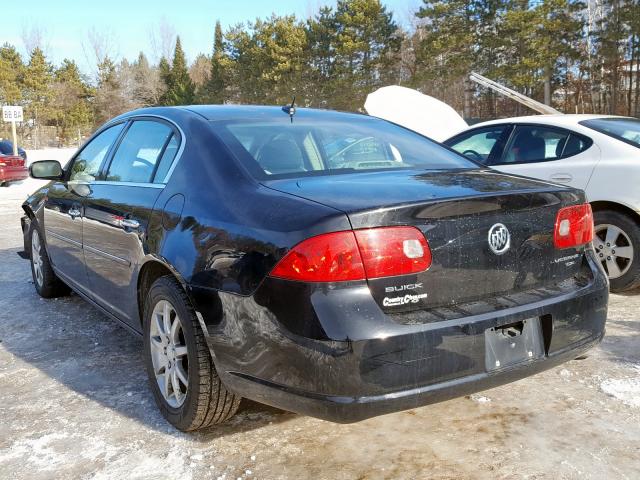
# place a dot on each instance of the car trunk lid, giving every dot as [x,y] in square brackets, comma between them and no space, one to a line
[466,217]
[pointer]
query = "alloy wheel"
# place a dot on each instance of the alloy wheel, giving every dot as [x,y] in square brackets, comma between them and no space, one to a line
[36,257]
[614,249]
[169,353]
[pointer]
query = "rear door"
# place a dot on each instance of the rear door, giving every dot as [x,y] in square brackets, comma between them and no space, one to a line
[117,213]
[549,153]
[64,207]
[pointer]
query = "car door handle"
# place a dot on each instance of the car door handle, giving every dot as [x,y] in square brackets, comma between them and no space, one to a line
[561,177]
[74,212]
[129,223]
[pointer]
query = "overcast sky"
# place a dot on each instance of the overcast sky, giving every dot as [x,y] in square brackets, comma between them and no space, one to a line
[127,27]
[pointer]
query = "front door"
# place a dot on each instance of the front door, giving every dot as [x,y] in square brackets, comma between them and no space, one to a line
[117,214]
[64,208]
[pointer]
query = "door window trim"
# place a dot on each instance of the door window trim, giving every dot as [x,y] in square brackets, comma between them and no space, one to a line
[176,130]
[588,141]
[107,156]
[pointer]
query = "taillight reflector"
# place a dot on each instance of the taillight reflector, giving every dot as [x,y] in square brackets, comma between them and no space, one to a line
[356,255]
[574,226]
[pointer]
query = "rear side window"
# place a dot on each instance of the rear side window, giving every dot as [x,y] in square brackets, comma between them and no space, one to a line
[533,143]
[479,144]
[624,129]
[87,163]
[317,147]
[166,160]
[139,152]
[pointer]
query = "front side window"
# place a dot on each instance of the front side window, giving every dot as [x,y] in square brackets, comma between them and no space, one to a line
[317,147]
[625,129]
[480,144]
[534,143]
[139,151]
[86,165]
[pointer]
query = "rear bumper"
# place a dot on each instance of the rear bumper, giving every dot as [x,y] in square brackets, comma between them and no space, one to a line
[342,409]
[13,174]
[382,366]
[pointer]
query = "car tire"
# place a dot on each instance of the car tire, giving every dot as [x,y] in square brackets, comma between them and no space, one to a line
[175,352]
[47,283]
[622,231]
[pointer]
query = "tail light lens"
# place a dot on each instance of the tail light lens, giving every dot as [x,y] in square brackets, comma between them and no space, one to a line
[332,257]
[356,255]
[387,252]
[574,226]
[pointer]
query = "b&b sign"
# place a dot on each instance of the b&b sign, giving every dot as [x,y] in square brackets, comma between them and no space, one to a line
[12,114]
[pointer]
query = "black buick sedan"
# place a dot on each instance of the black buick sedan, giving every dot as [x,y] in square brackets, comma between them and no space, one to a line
[331,264]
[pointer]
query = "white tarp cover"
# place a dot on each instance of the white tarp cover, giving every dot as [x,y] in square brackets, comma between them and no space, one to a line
[416,111]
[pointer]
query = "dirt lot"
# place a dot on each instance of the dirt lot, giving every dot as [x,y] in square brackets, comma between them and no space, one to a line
[74,403]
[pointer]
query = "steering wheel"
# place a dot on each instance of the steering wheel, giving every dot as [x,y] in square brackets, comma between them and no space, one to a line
[350,146]
[473,153]
[145,162]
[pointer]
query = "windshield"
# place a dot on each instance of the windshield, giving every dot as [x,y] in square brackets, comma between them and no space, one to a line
[320,147]
[625,129]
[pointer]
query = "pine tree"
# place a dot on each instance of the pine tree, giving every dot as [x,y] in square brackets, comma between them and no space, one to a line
[320,58]
[366,35]
[214,90]
[181,90]
[37,80]
[108,101]
[11,75]
[71,101]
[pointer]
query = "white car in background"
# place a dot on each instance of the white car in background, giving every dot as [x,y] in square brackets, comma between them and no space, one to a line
[596,153]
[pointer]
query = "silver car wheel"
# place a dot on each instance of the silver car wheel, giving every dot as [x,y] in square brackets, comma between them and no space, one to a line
[614,249]
[36,257]
[169,353]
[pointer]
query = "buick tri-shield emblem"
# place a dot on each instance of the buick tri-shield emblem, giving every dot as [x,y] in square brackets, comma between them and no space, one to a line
[499,239]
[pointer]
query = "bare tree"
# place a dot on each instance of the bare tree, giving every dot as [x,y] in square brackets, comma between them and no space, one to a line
[200,70]
[163,40]
[99,47]
[34,36]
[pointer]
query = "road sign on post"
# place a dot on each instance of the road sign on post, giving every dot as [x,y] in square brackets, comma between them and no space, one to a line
[13,114]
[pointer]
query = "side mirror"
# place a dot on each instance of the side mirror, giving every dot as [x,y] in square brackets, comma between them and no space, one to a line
[46,170]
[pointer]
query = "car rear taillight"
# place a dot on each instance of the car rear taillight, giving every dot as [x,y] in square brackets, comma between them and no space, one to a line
[332,257]
[574,226]
[356,255]
[392,251]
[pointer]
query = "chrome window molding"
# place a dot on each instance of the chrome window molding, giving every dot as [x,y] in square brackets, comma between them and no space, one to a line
[128,184]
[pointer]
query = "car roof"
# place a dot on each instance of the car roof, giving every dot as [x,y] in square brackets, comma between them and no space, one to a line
[246,112]
[567,119]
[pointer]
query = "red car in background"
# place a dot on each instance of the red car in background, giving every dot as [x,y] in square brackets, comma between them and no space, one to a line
[12,169]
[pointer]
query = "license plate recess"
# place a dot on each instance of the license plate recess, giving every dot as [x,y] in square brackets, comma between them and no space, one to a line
[514,343]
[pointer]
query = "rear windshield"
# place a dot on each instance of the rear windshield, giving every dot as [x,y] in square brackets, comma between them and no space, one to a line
[625,129]
[311,147]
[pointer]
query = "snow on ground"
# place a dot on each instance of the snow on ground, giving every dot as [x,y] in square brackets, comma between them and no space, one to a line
[626,390]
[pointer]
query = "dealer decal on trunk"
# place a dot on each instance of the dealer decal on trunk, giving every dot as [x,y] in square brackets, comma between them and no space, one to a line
[403,299]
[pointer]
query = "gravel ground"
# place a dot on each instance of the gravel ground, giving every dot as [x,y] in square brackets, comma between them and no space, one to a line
[74,403]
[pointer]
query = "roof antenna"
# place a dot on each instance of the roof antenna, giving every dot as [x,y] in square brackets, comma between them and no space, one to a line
[290,109]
